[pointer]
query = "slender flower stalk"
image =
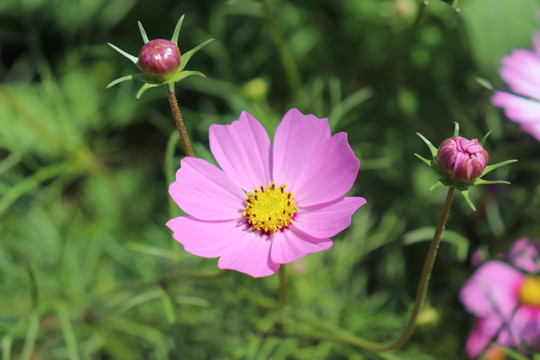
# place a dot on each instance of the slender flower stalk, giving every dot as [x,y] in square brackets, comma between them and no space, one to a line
[179,121]
[426,275]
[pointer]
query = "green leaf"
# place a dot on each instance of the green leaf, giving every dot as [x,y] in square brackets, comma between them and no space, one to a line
[67,330]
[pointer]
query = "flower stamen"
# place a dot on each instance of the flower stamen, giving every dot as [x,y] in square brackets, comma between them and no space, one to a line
[529,292]
[269,209]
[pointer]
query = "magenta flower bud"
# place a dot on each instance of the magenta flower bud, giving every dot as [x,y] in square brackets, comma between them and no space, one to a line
[159,58]
[464,160]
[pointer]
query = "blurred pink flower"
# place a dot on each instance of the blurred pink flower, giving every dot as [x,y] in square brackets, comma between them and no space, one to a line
[464,160]
[506,305]
[524,255]
[267,205]
[521,71]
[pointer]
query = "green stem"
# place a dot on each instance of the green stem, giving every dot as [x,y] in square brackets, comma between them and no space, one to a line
[345,337]
[426,275]
[287,60]
[179,121]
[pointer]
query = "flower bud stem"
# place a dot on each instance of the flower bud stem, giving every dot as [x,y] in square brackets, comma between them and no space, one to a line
[426,275]
[179,121]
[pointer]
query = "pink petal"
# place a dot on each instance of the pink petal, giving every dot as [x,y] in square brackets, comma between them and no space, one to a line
[242,150]
[326,220]
[520,110]
[204,191]
[290,244]
[330,173]
[524,255]
[250,254]
[239,248]
[296,139]
[482,334]
[525,326]
[521,71]
[208,239]
[492,290]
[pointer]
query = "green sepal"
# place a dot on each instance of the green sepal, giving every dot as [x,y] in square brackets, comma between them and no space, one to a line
[485,138]
[465,194]
[181,76]
[490,168]
[145,87]
[129,56]
[184,74]
[438,184]
[187,55]
[138,76]
[432,148]
[143,33]
[456,129]
[176,32]
[490,182]
[424,160]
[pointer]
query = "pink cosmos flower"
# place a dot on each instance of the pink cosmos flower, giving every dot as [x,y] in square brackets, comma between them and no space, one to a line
[506,305]
[521,71]
[267,205]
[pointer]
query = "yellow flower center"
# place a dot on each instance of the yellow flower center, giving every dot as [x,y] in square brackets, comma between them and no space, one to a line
[529,293]
[270,209]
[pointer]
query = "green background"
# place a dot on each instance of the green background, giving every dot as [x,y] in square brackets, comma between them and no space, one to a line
[88,270]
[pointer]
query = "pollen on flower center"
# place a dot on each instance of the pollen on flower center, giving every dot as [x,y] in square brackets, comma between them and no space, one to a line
[269,209]
[529,292]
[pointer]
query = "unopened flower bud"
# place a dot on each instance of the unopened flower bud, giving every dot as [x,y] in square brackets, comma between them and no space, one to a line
[159,58]
[464,160]
[159,61]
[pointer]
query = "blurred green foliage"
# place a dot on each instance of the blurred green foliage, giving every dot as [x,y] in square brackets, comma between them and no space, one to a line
[88,269]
